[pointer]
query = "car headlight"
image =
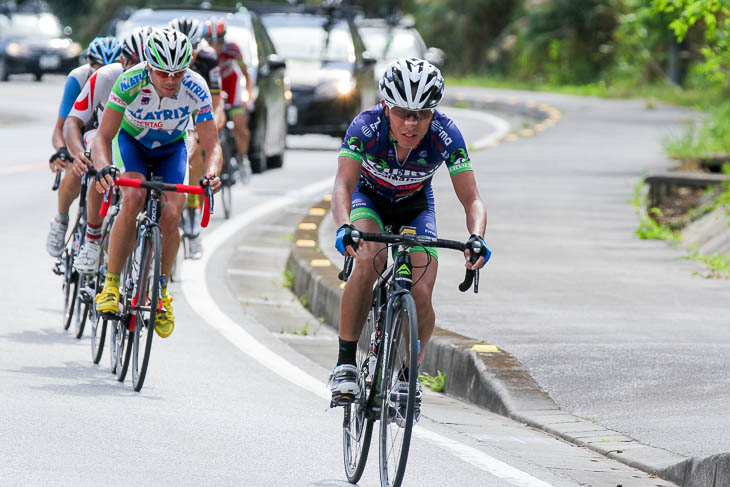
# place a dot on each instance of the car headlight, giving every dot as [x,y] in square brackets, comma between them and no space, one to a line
[345,86]
[336,88]
[15,49]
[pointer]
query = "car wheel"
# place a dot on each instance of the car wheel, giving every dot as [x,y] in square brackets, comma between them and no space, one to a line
[38,75]
[274,162]
[258,156]
[3,69]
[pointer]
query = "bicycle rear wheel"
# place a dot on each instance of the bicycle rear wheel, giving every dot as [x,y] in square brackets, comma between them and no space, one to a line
[81,310]
[357,427]
[397,412]
[148,301]
[227,198]
[70,288]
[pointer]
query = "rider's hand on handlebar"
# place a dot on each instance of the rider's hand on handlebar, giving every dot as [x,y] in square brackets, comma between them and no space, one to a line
[81,163]
[59,160]
[343,241]
[213,180]
[480,246]
[105,178]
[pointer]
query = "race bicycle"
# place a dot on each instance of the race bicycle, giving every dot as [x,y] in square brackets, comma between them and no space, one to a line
[387,354]
[78,289]
[140,294]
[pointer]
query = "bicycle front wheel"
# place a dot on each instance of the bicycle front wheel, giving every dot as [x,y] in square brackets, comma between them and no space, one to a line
[148,301]
[357,427]
[397,410]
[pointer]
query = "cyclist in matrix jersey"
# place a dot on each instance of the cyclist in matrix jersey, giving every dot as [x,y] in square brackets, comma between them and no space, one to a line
[79,131]
[101,51]
[386,163]
[205,63]
[153,104]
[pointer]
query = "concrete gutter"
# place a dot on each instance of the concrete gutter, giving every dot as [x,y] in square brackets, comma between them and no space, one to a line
[493,378]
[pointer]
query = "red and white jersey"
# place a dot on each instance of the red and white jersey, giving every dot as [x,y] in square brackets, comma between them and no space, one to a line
[90,103]
[229,57]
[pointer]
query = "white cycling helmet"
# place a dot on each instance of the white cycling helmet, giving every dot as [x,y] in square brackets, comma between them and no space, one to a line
[134,44]
[412,83]
[168,50]
[190,27]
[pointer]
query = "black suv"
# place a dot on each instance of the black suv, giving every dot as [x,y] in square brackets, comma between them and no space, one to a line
[268,120]
[35,42]
[330,71]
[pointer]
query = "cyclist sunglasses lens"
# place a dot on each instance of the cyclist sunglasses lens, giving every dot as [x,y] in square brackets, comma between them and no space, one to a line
[403,113]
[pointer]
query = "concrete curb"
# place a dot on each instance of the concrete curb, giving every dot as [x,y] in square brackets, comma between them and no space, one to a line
[495,380]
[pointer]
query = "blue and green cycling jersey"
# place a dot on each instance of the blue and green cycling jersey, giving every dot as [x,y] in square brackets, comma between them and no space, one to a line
[368,140]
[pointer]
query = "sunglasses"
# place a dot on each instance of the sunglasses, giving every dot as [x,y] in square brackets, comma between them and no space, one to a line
[404,113]
[175,75]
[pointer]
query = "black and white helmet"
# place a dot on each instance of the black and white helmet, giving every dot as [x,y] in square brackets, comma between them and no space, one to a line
[168,50]
[190,27]
[134,44]
[412,83]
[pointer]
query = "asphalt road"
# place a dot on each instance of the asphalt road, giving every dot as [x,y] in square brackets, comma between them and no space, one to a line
[230,399]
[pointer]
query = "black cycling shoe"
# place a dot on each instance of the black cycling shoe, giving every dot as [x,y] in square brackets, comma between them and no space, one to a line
[399,396]
[343,384]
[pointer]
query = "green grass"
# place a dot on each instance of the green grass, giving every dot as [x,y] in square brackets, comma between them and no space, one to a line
[304,300]
[436,384]
[648,228]
[288,279]
[718,265]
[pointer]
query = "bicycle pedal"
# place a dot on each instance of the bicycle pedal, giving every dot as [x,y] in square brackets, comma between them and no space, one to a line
[57,269]
[85,295]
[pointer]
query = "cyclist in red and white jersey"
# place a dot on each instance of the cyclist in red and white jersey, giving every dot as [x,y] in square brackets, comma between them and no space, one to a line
[79,131]
[101,51]
[205,63]
[233,69]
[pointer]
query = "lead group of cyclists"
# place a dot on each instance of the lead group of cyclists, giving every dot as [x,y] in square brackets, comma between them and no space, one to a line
[135,103]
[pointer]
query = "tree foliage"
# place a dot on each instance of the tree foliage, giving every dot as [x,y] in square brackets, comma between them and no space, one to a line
[713,18]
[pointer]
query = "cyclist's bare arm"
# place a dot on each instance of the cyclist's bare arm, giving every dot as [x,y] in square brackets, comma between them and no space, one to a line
[348,174]
[466,189]
[249,81]
[58,142]
[219,112]
[72,134]
[208,135]
[101,148]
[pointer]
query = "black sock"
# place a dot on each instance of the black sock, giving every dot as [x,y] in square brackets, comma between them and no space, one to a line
[347,352]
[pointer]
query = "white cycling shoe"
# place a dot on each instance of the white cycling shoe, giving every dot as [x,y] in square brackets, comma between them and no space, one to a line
[56,238]
[87,262]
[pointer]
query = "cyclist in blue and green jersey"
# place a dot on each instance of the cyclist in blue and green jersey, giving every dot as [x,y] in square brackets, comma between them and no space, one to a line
[151,106]
[386,163]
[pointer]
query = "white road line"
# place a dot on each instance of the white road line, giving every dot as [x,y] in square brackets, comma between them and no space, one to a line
[501,126]
[195,288]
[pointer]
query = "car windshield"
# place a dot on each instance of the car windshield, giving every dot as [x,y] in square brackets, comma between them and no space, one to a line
[238,27]
[42,26]
[307,38]
[384,43]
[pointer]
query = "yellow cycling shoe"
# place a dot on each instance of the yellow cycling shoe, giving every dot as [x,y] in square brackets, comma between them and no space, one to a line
[107,301]
[165,320]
